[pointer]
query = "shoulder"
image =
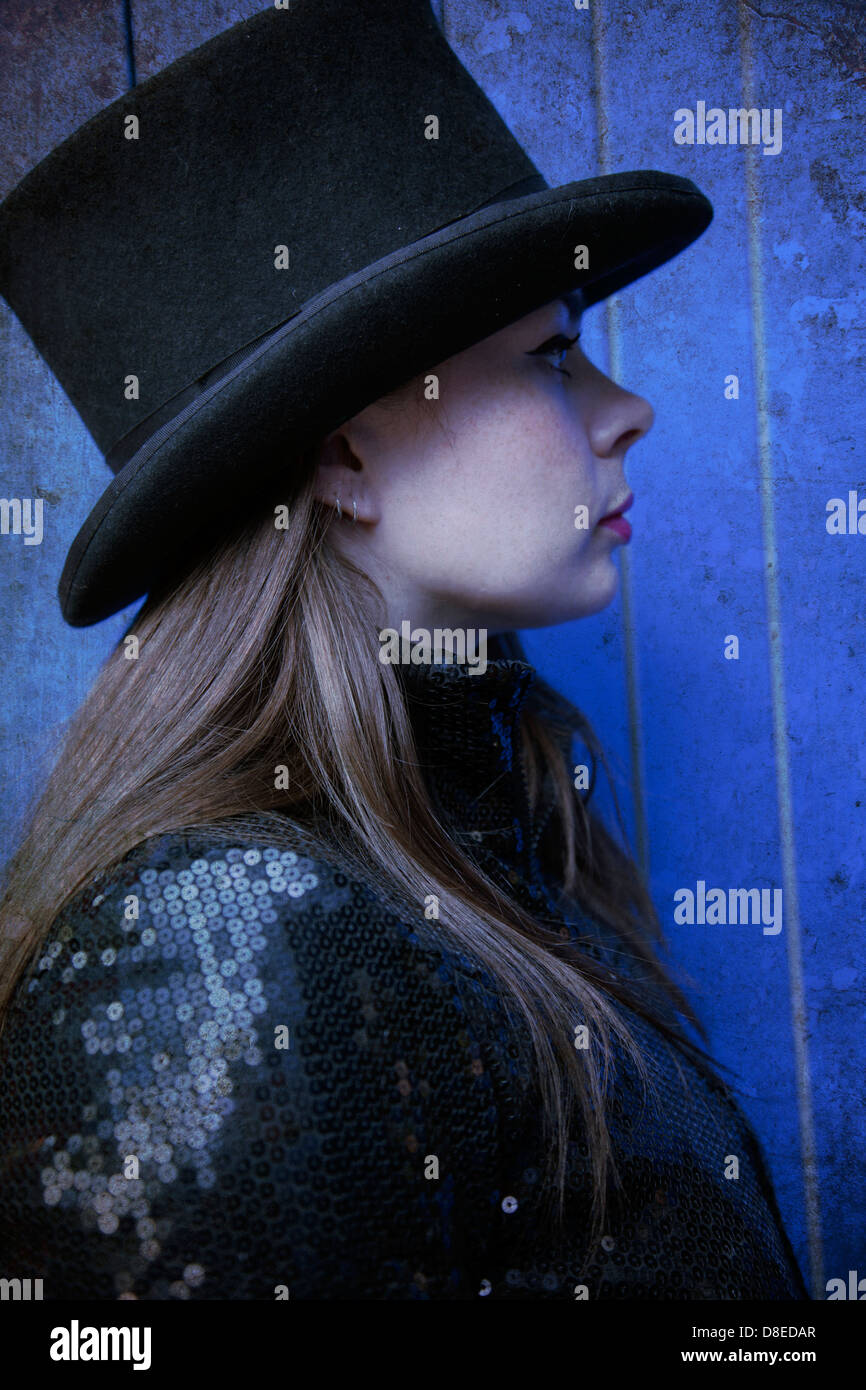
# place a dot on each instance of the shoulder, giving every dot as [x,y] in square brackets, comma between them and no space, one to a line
[267,1048]
[187,881]
[244,909]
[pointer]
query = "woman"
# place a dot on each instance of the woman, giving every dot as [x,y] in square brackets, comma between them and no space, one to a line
[322,977]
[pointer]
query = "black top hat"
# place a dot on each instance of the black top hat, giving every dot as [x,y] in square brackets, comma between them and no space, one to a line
[282,234]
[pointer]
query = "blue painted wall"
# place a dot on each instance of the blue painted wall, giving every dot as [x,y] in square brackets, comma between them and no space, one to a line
[743,773]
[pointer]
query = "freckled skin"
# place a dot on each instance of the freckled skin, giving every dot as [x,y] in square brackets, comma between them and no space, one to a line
[466,505]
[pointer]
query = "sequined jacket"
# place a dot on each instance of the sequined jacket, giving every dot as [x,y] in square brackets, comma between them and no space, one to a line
[269,1083]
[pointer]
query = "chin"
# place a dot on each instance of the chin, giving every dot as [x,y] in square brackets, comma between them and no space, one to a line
[600,596]
[589,598]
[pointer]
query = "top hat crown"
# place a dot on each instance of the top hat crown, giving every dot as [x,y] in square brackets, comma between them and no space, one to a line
[289,221]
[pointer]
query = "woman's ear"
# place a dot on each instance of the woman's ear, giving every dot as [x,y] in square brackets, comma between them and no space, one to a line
[341,474]
[337,470]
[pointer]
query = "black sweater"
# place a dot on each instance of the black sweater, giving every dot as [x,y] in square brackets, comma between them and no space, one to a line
[270,1083]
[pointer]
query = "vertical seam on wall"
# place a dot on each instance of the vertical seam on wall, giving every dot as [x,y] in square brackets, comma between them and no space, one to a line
[126,21]
[614,337]
[777,688]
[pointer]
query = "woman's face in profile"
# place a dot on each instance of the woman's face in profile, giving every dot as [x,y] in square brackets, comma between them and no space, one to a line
[467,504]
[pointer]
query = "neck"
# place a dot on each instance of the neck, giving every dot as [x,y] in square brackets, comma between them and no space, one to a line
[467,732]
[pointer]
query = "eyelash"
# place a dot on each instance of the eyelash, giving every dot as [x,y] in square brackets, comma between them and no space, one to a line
[559,343]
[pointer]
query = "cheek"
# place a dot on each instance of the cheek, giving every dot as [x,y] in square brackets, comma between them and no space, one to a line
[545,468]
[524,441]
[502,465]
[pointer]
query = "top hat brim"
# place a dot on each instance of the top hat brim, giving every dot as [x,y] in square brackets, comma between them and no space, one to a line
[228,448]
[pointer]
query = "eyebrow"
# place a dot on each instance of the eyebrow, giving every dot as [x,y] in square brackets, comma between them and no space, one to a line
[573,301]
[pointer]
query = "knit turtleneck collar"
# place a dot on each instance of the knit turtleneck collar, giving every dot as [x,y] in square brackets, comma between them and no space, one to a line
[467,731]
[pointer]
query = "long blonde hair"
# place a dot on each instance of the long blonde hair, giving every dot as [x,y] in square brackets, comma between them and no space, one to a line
[266,654]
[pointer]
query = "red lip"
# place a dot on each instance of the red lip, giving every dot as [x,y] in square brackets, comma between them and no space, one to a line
[616,522]
[618,511]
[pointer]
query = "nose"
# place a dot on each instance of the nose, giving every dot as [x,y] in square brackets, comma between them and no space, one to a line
[616,418]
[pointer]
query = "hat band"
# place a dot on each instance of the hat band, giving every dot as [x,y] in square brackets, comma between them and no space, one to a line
[161,422]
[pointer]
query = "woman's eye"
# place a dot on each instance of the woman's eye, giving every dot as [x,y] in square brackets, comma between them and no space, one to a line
[556,349]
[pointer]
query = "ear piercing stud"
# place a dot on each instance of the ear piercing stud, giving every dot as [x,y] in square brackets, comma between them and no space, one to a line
[354,511]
